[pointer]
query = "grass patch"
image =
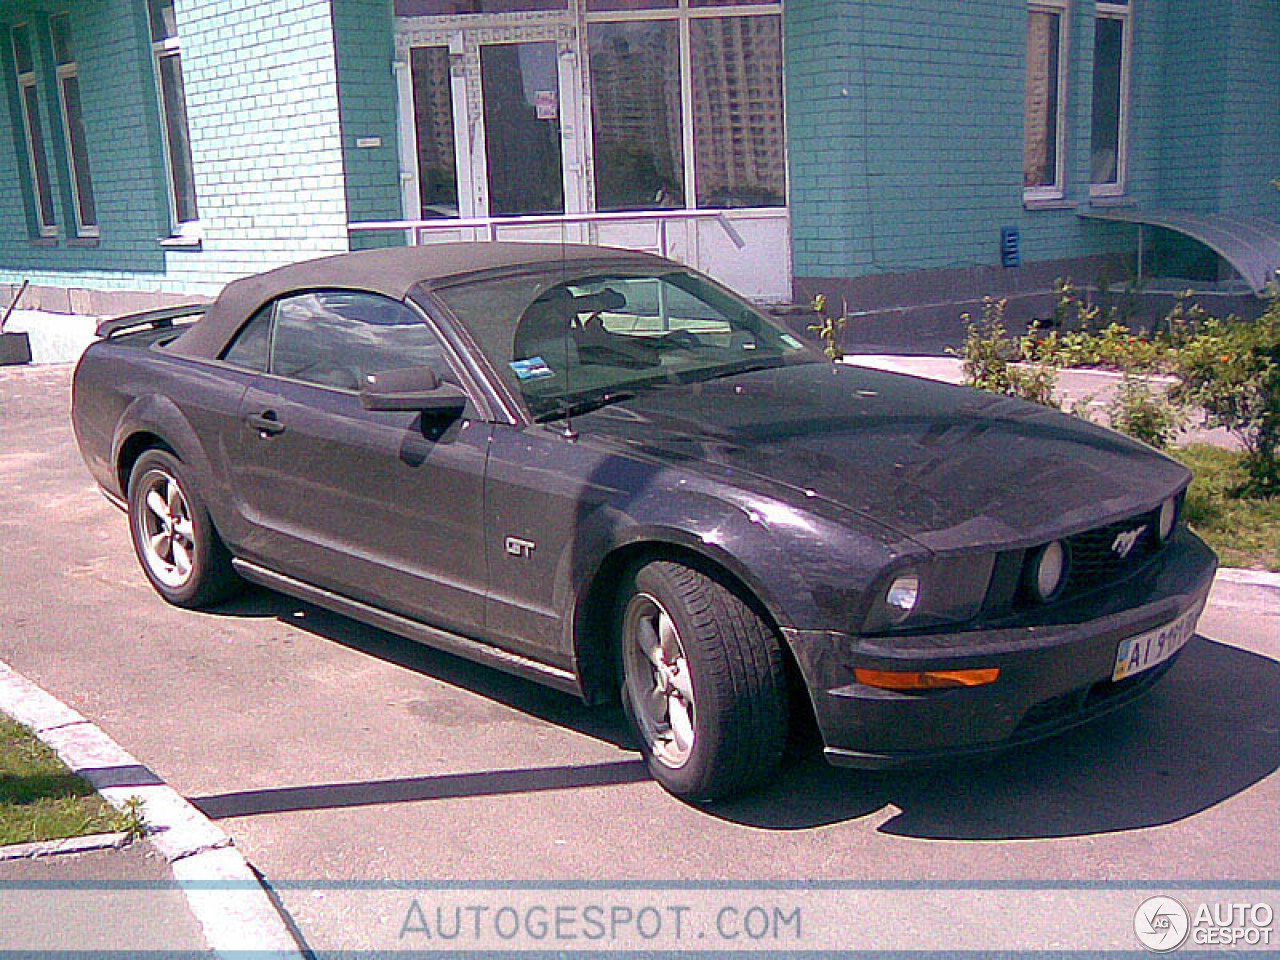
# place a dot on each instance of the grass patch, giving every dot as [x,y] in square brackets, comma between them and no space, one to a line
[40,799]
[1244,530]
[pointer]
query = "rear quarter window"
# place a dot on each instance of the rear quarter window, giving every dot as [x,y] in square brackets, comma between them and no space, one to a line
[251,348]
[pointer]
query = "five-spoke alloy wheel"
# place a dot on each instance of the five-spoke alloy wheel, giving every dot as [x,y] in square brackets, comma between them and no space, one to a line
[167,534]
[174,538]
[703,681]
[659,683]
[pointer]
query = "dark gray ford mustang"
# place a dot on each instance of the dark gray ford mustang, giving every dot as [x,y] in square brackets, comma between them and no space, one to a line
[603,471]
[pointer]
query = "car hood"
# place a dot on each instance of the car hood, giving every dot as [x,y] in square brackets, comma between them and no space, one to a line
[949,467]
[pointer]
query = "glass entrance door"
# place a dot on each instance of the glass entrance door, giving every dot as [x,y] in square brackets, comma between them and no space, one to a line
[520,90]
[492,128]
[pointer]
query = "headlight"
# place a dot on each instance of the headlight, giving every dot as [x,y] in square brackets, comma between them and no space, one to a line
[902,596]
[932,592]
[1047,571]
[1168,518]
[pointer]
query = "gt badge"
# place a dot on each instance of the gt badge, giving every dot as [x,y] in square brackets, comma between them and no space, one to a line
[517,547]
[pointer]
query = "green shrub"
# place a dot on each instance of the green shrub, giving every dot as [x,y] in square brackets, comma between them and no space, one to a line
[989,356]
[829,329]
[1230,370]
[1081,340]
[1144,413]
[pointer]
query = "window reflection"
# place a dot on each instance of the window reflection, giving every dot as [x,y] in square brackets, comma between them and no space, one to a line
[522,128]
[447,8]
[636,117]
[737,111]
[1040,154]
[1108,54]
[594,5]
[433,114]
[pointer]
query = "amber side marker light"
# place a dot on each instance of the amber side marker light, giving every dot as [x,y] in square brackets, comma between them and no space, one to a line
[925,679]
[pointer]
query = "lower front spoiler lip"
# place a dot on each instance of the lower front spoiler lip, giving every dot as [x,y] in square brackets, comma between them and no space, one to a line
[1085,711]
[1055,672]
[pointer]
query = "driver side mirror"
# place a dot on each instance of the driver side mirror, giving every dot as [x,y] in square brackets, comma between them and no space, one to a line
[411,388]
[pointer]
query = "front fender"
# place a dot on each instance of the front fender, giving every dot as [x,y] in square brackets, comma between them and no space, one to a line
[808,569]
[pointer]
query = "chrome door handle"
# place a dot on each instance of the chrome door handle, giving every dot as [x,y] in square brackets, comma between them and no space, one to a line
[266,423]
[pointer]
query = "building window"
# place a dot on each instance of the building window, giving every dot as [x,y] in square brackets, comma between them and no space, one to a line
[68,75]
[173,103]
[32,132]
[636,114]
[686,104]
[1112,43]
[433,111]
[451,8]
[1042,157]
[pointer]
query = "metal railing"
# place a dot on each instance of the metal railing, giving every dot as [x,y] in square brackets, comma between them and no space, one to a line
[415,229]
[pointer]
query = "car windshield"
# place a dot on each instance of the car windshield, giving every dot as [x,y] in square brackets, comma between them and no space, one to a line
[567,345]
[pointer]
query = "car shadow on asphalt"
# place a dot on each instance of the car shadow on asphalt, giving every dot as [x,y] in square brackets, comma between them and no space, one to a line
[1209,730]
[526,696]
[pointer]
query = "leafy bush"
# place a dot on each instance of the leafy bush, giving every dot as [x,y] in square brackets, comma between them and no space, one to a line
[989,356]
[1227,369]
[1144,414]
[1231,370]
[1079,338]
[829,329]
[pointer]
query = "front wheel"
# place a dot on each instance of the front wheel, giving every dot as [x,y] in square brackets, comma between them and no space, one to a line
[704,683]
[173,535]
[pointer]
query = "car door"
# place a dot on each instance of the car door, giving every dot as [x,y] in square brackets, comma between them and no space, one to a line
[548,496]
[383,506]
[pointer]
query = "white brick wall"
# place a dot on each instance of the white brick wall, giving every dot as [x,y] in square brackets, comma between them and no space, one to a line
[262,100]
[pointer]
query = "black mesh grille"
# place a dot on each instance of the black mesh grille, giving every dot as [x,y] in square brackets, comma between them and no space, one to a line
[1097,556]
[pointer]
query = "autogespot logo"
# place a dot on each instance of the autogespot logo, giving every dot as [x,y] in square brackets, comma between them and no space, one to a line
[1161,924]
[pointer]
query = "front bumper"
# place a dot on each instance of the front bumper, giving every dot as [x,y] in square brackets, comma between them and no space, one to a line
[1055,670]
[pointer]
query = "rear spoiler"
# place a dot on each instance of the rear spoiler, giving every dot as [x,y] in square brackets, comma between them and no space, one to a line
[149,318]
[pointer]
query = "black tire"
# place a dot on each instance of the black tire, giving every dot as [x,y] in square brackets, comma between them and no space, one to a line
[733,661]
[178,547]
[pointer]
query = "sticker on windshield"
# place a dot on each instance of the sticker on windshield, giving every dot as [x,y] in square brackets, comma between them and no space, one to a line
[534,368]
[791,341]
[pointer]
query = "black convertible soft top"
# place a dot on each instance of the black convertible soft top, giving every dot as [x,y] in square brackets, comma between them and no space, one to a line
[393,272]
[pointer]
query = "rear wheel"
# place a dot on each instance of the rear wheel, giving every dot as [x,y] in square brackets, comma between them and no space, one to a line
[173,536]
[704,683]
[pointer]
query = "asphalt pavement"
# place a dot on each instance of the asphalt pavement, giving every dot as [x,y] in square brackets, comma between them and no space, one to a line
[341,758]
[56,904]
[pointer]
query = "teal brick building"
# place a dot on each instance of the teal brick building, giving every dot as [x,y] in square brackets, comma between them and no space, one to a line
[910,155]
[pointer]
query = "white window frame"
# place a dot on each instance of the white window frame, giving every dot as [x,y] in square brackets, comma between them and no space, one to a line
[27,80]
[1122,12]
[183,231]
[1057,190]
[684,13]
[65,71]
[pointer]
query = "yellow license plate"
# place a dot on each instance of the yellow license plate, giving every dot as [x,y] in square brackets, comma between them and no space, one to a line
[1156,646]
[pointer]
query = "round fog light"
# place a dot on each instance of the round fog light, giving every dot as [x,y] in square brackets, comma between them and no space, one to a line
[902,596]
[1049,571]
[1168,517]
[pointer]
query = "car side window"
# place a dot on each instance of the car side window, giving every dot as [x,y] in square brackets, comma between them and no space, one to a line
[251,348]
[335,338]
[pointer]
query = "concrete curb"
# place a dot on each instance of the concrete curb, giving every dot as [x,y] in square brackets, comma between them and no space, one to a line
[52,848]
[233,908]
[1252,578]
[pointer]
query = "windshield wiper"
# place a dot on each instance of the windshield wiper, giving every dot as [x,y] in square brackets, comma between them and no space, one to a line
[734,369]
[581,405]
